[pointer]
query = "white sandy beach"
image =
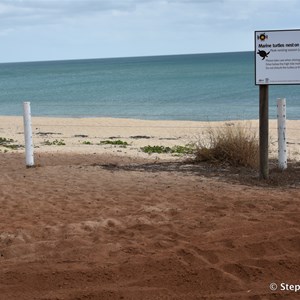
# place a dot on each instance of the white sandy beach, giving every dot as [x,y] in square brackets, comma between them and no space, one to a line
[83,135]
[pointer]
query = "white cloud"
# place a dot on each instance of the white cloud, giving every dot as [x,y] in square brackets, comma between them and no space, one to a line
[18,12]
[58,29]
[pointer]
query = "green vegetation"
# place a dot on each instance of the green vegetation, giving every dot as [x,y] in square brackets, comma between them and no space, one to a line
[187,149]
[108,142]
[55,143]
[115,143]
[232,145]
[7,143]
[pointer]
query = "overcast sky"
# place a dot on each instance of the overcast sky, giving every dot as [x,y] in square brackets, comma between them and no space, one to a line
[33,30]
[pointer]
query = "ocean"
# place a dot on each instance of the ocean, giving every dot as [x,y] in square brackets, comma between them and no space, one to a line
[206,87]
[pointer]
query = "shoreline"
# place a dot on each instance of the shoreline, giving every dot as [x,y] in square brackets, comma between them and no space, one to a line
[84,135]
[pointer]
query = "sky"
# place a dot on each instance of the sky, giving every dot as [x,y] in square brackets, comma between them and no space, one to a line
[37,30]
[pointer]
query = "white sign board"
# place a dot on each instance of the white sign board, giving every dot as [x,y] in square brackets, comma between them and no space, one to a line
[277,57]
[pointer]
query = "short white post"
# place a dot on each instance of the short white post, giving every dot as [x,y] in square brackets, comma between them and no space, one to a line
[28,135]
[281,126]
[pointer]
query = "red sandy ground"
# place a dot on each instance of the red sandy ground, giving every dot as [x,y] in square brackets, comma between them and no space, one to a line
[72,228]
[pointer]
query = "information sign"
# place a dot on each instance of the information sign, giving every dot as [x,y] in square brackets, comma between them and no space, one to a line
[277,57]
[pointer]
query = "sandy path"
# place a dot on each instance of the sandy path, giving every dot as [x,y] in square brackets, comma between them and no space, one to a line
[84,227]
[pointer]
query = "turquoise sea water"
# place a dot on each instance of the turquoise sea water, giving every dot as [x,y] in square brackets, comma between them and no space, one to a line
[178,87]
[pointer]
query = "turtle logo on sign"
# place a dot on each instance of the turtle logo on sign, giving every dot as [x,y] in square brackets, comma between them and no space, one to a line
[262,37]
[263,54]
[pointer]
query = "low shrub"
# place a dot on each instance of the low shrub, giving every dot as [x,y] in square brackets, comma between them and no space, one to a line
[235,145]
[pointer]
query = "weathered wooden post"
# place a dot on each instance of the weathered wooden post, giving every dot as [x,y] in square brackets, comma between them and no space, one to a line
[264,131]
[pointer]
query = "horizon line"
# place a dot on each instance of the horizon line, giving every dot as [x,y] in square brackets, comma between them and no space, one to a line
[117,57]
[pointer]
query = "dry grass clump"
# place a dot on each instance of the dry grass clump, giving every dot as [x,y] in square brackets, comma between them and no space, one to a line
[235,145]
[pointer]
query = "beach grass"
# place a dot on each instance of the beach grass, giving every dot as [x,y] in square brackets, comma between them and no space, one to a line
[234,145]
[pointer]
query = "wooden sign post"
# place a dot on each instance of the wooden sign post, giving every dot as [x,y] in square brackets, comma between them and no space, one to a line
[264,131]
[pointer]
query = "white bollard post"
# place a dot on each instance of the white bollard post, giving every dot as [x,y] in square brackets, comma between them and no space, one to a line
[28,135]
[281,126]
